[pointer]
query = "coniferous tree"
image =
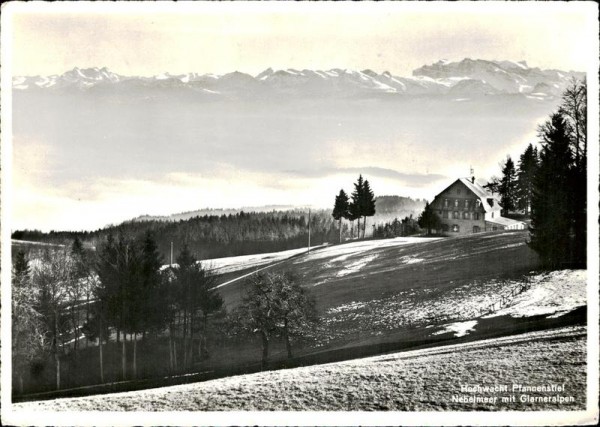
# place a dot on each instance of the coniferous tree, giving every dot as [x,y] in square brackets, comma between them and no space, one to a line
[551,204]
[118,270]
[357,204]
[429,219]
[493,185]
[196,294]
[528,164]
[341,209]
[559,205]
[508,188]
[367,203]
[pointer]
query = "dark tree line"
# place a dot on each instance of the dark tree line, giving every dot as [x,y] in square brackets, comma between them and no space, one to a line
[360,205]
[213,236]
[398,228]
[549,184]
[559,199]
[515,187]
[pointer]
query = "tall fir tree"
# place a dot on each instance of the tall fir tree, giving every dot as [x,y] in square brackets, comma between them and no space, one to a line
[551,217]
[341,209]
[508,187]
[526,170]
[429,219]
[367,203]
[356,205]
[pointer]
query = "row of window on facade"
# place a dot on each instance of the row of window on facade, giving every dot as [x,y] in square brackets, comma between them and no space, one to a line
[465,215]
[468,204]
[456,228]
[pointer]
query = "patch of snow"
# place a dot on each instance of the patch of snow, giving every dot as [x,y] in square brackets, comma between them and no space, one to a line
[554,293]
[162,76]
[210,91]
[229,264]
[462,99]
[352,248]
[356,266]
[523,88]
[346,307]
[411,260]
[460,329]
[512,245]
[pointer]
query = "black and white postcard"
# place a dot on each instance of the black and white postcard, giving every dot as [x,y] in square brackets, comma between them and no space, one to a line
[299,213]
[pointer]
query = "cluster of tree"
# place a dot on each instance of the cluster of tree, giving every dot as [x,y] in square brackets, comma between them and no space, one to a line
[275,305]
[550,184]
[45,316]
[397,228]
[124,290]
[515,187]
[361,204]
[213,236]
[559,196]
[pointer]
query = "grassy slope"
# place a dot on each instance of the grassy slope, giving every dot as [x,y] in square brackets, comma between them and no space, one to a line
[421,380]
[389,304]
[390,292]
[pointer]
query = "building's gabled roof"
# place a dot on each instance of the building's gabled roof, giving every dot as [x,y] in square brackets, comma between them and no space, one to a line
[505,221]
[480,192]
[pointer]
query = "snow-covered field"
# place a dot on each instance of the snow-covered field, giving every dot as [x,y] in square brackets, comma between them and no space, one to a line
[552,294]
[342,252]
[236,263]
[420,380]
[338,253]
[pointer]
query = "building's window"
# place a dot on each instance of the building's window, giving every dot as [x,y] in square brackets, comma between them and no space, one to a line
[455,228]
[466,204]
[445,203]
[476,216]
[494,228]
[478,203]
[465,215]
[456,203]
[492,214]
[455,215]
[476,229]
[458,191]
[445,214]
[445,227]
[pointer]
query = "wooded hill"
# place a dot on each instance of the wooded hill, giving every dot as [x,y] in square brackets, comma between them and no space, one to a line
[214,236]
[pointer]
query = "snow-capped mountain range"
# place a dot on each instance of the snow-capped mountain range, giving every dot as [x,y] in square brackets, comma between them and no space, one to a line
[466,77]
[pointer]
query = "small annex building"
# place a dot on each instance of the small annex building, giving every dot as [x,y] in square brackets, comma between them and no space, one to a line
[466,207]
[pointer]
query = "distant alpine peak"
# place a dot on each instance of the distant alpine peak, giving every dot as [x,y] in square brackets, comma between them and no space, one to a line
[444,77]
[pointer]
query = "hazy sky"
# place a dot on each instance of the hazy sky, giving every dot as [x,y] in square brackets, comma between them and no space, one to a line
[249,38]
[147,39]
